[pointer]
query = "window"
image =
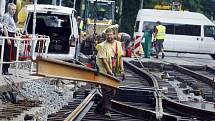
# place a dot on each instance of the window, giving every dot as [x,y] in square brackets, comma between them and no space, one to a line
[209,31]
[150,25]
[177,29]
[45,22]
[103,11]
[169,28]
[136,27]
[192,30]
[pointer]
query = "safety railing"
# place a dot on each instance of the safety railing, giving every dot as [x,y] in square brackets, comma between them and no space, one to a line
[27,47]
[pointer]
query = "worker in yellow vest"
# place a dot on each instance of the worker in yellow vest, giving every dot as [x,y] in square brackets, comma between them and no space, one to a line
[159,37]
[80,24]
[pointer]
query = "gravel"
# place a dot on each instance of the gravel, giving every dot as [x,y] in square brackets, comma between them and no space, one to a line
[53,97]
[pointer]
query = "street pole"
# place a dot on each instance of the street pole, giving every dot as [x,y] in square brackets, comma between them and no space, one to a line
[74,4]
[34,18]
[141,4]
[2,7]
[54,2]
[60,2]
[34,42]
[120,11]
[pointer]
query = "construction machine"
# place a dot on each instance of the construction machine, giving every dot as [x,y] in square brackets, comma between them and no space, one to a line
[97,16]
[174,5]
[99,12]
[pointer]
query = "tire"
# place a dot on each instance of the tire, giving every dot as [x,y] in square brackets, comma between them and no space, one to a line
[212,56]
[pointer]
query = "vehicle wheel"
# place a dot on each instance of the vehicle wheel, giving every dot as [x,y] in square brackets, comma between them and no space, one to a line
[212,56]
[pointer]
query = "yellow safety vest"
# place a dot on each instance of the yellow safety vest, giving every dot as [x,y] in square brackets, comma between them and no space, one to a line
[81,26]
[161,32]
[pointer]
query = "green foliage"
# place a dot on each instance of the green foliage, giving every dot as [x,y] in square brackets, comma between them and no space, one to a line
[68,3]
[192,5]
[129,12]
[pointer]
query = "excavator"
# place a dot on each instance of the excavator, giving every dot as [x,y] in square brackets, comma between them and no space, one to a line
[97,16]
[163,5]
[99,12]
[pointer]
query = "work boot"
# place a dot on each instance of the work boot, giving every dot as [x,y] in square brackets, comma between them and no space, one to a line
[108,114]
[162,55]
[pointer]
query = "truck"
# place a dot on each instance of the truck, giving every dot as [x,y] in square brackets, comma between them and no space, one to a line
[186,32]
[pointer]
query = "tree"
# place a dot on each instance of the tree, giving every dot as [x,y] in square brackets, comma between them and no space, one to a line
[192,5]
[208,8]
[68,3]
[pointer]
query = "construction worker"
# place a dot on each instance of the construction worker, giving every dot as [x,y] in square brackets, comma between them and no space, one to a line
[126,41]
[148,42]
[159,36]
[9,31]
[109,59]
[80,24]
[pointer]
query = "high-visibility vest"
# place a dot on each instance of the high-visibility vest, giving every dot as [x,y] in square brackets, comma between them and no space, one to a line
[81,25]
[161,32]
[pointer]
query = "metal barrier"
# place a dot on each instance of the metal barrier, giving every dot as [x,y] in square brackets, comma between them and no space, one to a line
[27,46]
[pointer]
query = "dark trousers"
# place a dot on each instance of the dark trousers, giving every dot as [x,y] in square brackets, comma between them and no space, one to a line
[7,53]
[107,95]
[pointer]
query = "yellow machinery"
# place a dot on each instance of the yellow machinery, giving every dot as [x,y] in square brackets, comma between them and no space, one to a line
[21,12]
[101,10]
[97,16]
[175,5]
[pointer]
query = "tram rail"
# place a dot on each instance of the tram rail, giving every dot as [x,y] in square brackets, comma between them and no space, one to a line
[186,77]
[142,96]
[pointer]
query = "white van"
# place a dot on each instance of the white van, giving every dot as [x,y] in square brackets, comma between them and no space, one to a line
[185,31]
[60,25]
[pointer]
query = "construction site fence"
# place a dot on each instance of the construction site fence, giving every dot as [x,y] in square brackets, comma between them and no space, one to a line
[27,47]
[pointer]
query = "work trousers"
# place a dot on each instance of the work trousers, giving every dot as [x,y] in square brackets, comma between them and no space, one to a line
[159,45]
[107,95]
[7,53]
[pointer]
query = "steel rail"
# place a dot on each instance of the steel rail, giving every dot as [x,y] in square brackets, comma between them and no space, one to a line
[209,68]
[154,83]
[188,110]
[184,108]
[60,69]
[140,113]
[151,80]
[193,74]
[74,115]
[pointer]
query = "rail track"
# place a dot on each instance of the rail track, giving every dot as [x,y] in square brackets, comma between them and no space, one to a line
[148,93]
[10,111]
[190,86]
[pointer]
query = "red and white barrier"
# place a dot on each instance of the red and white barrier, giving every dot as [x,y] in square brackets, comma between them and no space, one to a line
[137,44]
[25,50]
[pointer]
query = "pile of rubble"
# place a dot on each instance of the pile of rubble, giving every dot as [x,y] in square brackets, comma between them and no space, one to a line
[52,97]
